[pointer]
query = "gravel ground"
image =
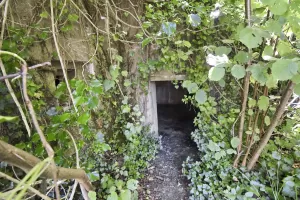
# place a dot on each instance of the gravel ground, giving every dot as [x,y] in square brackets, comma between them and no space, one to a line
[164,179]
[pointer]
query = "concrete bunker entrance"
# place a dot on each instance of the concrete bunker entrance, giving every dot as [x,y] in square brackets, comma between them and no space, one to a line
[174,121]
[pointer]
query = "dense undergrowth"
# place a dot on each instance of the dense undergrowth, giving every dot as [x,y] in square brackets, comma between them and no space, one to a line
[242,75]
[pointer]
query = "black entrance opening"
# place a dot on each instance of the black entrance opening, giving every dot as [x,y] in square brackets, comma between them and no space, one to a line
[175,124]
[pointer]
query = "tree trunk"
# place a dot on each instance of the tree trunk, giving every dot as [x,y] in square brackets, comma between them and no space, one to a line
[279,112]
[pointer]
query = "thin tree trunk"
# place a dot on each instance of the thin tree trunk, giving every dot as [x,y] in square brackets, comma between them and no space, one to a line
[279,112]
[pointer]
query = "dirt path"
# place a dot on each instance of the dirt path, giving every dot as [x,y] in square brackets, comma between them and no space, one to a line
[164,180]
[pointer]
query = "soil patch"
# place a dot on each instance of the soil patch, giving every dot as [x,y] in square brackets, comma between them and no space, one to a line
[164,179]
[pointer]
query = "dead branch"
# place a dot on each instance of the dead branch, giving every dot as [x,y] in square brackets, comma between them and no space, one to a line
[20,73]
[26,161]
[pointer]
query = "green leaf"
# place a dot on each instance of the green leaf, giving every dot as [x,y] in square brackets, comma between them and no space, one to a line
[251,103]
[242,57]
[250,38]
[271,82]
[267,120]
[168,28]
[73,17]
[124,73]
[235,141]
[132,184]
[216,73]
[284,48]
[296,78]
[268,53]
[279,7]
[263,103]
[146,41]
[194,20]
[84,118]
[201,96]
[218,156]
[187,44]
[192,88]
[7,119]
[297,89]
[222,50]
[284,69]
[259,73]
[44,14]
[92,195]
[238,71]
[125,195]
[108,84]
[276,155]
[274,26]
[222,83]
[231,151]
[213,146]
[113,196]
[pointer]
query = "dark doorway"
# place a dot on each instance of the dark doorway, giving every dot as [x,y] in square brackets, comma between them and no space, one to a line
[175,124]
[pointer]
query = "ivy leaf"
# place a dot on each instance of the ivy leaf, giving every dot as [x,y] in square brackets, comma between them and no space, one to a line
[168,28]
[250,38]
[276,155]
[222,50]
[124,73]
[297,89]
[231,151]
[284,69]
[7,118]
[238,71]
[263,103]
[73,17]
[213,146]
[242,57]
[146,41]
[218,156]
[201,96]
[267,120]
[125,195]
[113,196]
[216,73]
[84,118]
[235,142]
[186,43]
[194,20]
[44,14]
[92,195]
[108,84]
[132,184]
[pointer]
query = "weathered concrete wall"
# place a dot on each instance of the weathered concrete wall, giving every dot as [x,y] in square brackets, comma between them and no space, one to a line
[166,93]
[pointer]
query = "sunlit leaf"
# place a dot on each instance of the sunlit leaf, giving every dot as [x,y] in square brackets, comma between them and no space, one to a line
[238,71]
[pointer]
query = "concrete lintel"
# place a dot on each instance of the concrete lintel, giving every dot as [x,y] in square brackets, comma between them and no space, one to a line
[167,76]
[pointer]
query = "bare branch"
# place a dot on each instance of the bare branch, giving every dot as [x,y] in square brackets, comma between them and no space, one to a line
[20,73]
[27,161]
